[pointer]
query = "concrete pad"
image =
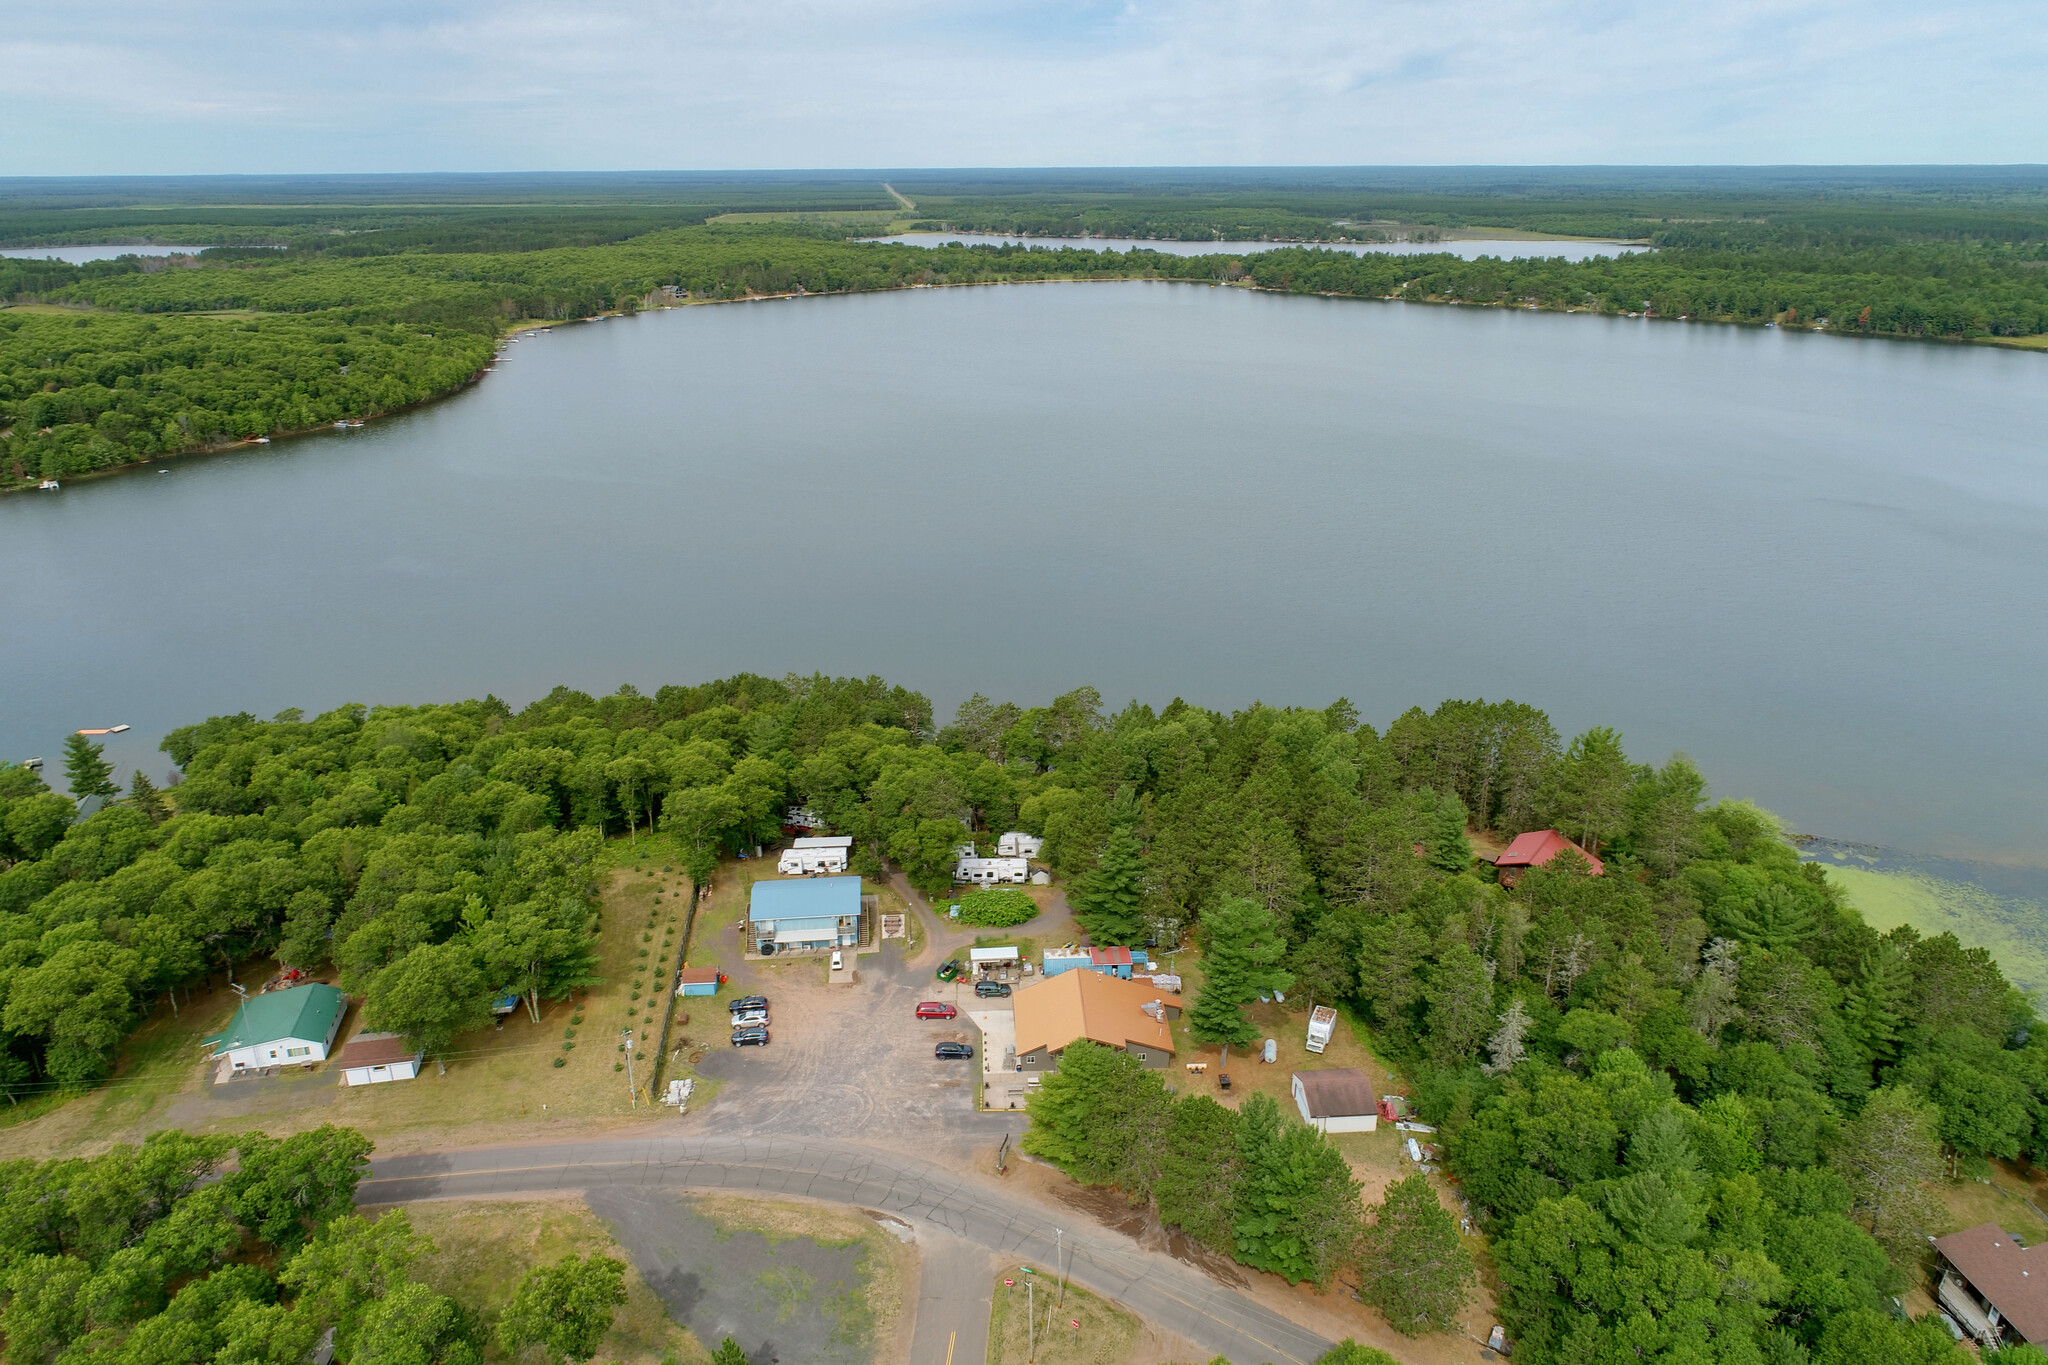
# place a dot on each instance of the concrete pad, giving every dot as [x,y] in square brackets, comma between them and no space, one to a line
[1000,1089]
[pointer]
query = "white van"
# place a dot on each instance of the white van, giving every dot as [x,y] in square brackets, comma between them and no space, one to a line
[835,960]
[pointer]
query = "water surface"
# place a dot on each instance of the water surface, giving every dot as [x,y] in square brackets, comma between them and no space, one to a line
[1573,250]
[79,255]
[1817,563]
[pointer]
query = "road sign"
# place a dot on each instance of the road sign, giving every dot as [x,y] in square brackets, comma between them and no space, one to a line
[1076,1322]
[1008,1283]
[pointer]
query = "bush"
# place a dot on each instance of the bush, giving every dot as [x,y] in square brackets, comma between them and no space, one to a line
[997,907]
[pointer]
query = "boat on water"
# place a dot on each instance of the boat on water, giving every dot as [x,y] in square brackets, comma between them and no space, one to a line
[262,440]
[358,422]
[50,485]
[340,424]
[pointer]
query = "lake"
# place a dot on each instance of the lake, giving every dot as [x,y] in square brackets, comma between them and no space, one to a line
[1576,249]
[79,255]
[1816,563]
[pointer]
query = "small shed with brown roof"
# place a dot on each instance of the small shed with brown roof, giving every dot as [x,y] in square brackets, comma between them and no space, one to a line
[1994,1285]
[1130,1016]
[373,1058]
[1338,1099]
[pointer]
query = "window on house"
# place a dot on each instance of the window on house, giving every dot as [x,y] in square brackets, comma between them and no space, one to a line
[273,1052]
[297,1051]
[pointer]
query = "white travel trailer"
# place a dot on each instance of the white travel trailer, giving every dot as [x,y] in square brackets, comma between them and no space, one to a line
[1017,844]
[828,853]
[992,871]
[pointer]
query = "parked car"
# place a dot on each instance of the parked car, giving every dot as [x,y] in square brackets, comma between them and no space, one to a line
[936,1009]
[749,1002]
[836,961]
[989,990]
[952,1052]
[750,1019]
[750,1037]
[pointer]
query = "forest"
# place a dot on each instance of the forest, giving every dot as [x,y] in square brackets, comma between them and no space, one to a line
[323,300]
[245,1249]
[1699,1108]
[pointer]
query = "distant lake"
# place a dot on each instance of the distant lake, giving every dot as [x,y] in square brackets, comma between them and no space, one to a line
[79,255]
[1817,563]
[1471,250]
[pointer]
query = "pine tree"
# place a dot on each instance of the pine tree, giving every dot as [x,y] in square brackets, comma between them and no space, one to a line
[1413,1268]
[1298,1206]
[1241,952]
[1775,920]
[728,1353]
[1449,849]
[88,772]
[143,795]
[1108,900]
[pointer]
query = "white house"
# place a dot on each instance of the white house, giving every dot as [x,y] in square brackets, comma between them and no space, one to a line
[1339,1100]
[282,1028]
[1017,844]
[990,871]
[826,853]
[373,1058]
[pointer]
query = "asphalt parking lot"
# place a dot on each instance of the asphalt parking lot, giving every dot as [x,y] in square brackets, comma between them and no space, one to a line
[853,1060]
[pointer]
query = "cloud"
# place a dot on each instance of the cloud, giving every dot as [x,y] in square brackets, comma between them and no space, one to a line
[122,86]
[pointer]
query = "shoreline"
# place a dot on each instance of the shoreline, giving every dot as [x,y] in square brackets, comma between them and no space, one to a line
[2037,343]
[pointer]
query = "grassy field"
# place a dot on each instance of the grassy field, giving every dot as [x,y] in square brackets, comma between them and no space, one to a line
[483,1247]
[1105,1336]
[2015,930]
[500,1082]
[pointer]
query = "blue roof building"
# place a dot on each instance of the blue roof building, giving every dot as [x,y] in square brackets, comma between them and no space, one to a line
[804,914]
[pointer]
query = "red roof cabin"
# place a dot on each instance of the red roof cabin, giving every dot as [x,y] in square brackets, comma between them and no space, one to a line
[1536,848]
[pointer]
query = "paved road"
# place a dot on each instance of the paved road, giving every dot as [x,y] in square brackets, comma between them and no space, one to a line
[955,1281]
[1161,1290]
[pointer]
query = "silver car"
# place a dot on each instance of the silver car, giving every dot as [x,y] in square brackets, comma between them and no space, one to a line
[750,1019]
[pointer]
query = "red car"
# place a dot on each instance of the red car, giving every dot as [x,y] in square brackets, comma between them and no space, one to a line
[934,1009]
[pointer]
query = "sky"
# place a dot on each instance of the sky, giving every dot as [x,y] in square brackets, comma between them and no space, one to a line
[282,86]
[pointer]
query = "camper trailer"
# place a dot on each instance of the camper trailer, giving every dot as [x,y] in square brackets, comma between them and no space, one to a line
[1016,844]
[807,856]
[992,871]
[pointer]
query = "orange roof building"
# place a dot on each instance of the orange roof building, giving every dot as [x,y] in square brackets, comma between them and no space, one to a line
[1130,1016]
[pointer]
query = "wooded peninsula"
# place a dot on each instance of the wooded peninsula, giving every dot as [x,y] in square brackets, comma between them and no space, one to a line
[324,301]
[1699,1108]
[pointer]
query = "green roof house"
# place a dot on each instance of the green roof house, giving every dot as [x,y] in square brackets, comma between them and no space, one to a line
[282,1028]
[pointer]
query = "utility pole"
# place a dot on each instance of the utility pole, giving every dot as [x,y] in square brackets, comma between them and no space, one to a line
[1059,1263]
[1030,1321]
[632,1093]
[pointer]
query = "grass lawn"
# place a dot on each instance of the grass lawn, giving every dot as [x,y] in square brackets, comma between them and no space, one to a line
[483,1247]
[500,1083]
[1105,1337]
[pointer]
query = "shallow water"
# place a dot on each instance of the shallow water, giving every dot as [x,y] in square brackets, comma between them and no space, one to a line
[1816,563]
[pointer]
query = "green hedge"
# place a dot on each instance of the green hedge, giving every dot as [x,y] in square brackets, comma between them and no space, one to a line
[997,907]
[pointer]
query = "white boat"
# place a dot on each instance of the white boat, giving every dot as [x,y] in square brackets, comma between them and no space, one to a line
[262,440]
[51,484]
[341,424]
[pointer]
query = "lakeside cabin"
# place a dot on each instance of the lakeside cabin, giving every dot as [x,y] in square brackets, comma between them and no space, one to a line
[804,915]
[1989,1285]
[1536,848]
